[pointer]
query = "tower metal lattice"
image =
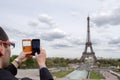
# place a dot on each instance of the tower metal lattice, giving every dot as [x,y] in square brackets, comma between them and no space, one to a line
[88,44]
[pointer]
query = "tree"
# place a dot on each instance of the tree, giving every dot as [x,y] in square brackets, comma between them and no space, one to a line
[13,57]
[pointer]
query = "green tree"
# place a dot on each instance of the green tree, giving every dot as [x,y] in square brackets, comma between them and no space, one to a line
[49,62]
[13,57]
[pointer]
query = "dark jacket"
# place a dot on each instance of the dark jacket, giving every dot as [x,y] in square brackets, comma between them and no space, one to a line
[10,72]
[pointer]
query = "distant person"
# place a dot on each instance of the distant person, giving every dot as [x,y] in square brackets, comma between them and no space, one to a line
[9,70]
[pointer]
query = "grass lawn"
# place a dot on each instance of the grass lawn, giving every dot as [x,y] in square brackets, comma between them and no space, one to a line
[95,75]
[61,73]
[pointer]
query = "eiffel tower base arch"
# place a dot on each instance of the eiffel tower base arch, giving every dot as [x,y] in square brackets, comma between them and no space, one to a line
[87,55]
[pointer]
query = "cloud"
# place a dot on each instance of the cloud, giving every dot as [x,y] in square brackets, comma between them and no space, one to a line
[108,18]
[33,23]
[73,13]
[75,41]
[12,32]
[54,34]
[43,22]
[115,41]
[102,0]
[44,18]
[96,41]
[61,45]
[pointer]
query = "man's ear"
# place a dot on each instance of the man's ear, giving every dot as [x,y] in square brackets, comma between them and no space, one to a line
[1,50]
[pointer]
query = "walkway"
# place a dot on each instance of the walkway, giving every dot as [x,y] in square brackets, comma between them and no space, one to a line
[108,75]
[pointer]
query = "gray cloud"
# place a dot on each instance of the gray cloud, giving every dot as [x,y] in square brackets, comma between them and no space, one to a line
[14,31]
[57,46]
[96,41]
[17,33]
[50,36]
[102,0]
[33,23]
[115,41]
[75,41]
[74,13]
[44,18]
[110,49]
[112,18]
[79,42]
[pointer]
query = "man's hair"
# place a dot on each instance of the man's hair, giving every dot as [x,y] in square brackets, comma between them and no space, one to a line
[3,35]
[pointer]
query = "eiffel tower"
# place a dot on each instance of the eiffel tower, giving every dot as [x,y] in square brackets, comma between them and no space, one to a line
[88,44]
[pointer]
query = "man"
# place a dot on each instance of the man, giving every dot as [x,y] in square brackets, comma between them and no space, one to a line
[8,71]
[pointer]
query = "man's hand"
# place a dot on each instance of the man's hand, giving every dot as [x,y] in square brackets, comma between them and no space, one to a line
[21,58]
[41,58]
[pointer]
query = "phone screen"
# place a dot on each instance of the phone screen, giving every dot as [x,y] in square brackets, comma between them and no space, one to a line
[35,46]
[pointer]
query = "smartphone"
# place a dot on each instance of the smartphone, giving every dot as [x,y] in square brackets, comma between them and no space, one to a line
[35,46]
[26,45]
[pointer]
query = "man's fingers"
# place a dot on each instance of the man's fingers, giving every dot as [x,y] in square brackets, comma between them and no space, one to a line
[36,54]
[40,48]
[27,52]
[28,55]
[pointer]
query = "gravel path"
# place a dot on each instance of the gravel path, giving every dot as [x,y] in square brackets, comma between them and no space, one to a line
[31,73]
[108,76]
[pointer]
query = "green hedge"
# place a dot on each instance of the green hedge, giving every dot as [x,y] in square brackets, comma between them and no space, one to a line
[95,75]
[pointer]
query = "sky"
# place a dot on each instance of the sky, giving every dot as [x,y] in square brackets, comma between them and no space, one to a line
[61,25]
